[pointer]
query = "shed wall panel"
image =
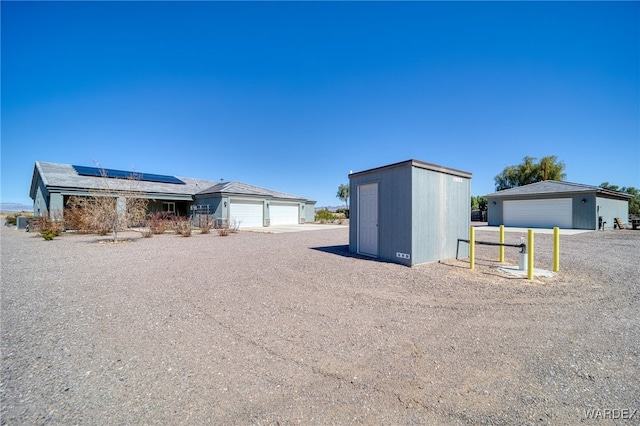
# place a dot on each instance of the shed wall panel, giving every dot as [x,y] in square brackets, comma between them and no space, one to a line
[441,215]
[394,212]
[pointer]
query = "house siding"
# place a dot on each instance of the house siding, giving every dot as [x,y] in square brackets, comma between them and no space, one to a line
[609,209]
[584,216]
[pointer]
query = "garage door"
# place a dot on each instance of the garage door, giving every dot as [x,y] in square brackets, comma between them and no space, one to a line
[283,214]
[538,213]
[247,213]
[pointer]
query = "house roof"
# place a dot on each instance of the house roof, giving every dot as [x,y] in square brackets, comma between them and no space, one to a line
[239,188]
[66,179]
[548,187]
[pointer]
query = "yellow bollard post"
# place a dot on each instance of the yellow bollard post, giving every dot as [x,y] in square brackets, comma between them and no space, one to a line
[530,255]
[501,257]
[472,247]
[556,249]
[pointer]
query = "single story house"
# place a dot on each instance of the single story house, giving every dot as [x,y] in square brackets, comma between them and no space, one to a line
[551,203]
[53,184]
[410,212]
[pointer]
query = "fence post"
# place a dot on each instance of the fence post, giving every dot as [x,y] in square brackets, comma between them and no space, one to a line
[501,257]
[530,255]
[472,247]
[556,249]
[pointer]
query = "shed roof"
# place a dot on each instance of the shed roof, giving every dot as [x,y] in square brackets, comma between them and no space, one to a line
[239,188]
[419,164]
[548,187]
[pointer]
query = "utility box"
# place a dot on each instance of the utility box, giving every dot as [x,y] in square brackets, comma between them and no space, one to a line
[410,212]
[21,222]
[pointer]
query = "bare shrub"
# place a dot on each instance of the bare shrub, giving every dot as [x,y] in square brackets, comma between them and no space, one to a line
[49,228]
[110,208]
[182,226]
[75,215]
[225,229]
[206,224]
[158,222]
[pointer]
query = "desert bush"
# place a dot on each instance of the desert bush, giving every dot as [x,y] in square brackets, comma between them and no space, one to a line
[206,224]
[11,219]
[181,225]
[225,228]
[344,211]
[324,216]
[76,215]
[158,222]
[47,227]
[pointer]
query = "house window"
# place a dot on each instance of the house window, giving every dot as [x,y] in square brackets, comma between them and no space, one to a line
[169,207]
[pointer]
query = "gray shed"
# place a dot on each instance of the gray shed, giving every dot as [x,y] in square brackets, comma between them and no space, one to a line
[410,212]
[551,203]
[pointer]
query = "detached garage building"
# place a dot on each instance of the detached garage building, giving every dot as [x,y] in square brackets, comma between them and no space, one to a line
[550,203]
[410,212]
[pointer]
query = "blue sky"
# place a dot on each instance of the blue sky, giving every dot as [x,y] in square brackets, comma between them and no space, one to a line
[293,95]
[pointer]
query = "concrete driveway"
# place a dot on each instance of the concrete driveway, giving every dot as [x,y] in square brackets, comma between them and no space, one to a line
[282,229]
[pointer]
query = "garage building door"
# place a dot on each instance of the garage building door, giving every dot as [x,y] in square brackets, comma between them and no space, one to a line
[538,213]
[283,214]
[246,213]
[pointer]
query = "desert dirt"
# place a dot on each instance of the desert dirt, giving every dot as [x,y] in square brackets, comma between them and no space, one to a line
[258,328]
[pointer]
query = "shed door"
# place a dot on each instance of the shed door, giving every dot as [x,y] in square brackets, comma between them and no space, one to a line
[539,213]
[283,214]
[368,219]
[247,213]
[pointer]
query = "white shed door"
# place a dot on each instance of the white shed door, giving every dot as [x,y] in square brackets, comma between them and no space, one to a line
[539,213]
[248,214]
[283,214]
[368,219]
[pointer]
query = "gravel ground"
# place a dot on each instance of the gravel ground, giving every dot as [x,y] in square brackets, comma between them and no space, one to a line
[290,328]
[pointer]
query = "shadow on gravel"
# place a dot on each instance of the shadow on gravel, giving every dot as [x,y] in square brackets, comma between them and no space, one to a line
[343,250]
[485,263]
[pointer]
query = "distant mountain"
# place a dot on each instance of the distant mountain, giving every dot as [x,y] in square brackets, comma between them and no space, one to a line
[15,207]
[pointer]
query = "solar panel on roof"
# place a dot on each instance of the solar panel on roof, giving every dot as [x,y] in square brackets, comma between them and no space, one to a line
[121,174]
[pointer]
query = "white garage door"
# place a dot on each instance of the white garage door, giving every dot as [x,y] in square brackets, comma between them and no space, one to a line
[283,214]
[538,213]
[247,213]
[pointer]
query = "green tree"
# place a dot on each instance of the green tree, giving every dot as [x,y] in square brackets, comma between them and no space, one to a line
[343,194]
[634,203]
[530,171]
[478,203]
